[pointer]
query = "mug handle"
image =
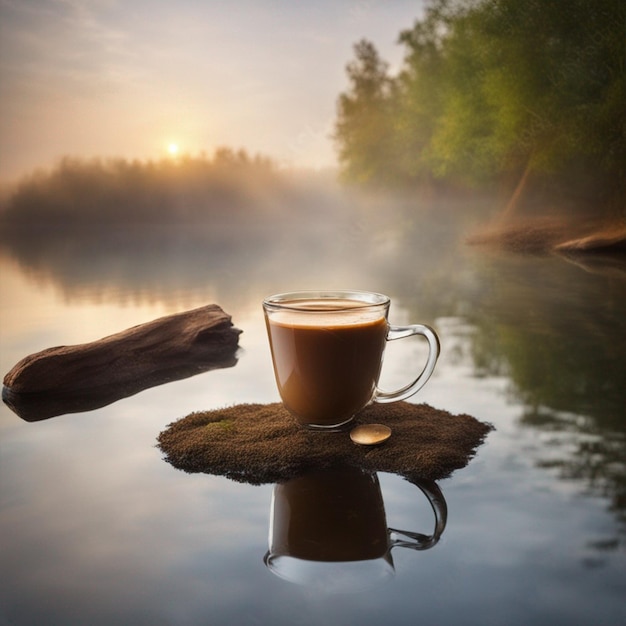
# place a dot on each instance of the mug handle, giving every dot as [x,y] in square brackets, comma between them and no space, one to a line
[419,541]
[434,348]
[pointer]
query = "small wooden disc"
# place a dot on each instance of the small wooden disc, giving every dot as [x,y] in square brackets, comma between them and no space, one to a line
[370,434]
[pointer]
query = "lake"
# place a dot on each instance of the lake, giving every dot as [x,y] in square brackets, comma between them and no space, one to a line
[96,528]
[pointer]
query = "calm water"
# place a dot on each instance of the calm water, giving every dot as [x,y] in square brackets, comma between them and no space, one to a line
[95,528]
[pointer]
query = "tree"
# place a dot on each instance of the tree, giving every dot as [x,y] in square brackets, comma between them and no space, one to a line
[529,93]
[364,126]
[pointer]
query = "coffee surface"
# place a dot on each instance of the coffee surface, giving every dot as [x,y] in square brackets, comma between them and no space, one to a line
[327,312]
[327,361]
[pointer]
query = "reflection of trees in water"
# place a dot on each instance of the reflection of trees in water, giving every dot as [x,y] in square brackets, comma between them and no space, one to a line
[581,450]
[557,333]
[151,263]
[162,262]
[560,333]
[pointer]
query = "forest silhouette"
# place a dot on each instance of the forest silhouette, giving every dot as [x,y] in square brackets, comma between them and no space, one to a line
[186,189]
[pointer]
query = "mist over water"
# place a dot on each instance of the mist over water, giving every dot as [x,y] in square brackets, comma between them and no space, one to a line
[91,228]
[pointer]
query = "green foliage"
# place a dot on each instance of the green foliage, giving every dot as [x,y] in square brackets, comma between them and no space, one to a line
[490,89]
[365,117]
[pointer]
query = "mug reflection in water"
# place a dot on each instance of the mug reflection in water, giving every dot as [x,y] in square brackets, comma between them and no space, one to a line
[328,530]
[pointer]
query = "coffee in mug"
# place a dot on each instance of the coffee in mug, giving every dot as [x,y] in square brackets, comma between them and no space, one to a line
[327,351]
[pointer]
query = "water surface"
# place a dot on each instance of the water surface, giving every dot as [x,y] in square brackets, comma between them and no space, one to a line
[95,528]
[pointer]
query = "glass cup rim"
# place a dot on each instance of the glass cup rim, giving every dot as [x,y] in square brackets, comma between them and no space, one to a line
[289,300]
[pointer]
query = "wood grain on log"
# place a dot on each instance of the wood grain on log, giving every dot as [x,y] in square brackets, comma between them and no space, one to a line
[86,376]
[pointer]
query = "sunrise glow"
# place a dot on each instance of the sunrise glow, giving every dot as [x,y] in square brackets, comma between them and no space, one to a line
[242,100]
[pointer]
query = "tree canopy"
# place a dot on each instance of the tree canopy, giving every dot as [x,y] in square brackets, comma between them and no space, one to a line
[492,92]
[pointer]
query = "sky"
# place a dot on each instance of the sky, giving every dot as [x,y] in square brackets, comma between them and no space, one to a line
[120,78]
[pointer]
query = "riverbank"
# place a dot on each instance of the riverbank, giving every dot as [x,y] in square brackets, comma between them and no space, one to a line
[553,234]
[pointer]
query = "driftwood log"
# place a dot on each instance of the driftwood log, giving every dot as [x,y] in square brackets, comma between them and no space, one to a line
[67,379]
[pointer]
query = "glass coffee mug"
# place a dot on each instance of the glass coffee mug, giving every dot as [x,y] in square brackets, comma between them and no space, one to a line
[328,530]
[327,349]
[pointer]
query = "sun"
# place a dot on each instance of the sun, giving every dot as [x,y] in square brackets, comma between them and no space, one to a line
[173,149]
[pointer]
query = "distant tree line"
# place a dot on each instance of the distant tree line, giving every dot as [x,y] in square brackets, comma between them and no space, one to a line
[187,188]
[529,94]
